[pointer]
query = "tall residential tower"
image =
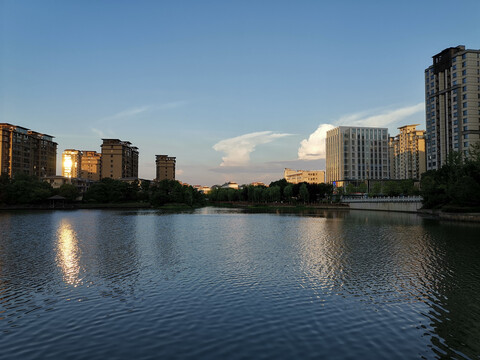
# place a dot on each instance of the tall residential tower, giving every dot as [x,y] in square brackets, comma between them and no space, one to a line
[407,153]
[165,167]
[119,159]
[23,151]
[452,103]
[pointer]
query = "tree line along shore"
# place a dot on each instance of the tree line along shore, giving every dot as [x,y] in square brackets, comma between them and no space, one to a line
[455,187]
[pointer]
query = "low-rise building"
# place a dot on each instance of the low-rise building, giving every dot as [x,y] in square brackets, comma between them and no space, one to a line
[308,176]
[230,185]
[56,181]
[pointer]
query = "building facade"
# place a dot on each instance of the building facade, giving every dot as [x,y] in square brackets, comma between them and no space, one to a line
[308,176]
[165,167]
[91,165]
[452,103]
[23,151]
[71,163]
[119,159]
[355,154]
[407,153]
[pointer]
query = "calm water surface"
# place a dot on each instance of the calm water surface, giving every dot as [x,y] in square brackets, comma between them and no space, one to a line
[215,283]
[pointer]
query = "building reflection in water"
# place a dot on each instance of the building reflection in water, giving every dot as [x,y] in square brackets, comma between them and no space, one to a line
[68,253]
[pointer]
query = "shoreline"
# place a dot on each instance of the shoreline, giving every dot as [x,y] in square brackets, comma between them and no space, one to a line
[435,213]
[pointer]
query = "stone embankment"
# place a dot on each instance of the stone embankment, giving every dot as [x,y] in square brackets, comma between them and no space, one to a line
[389,203]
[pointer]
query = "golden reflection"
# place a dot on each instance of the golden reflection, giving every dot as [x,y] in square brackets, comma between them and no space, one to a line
[68,254]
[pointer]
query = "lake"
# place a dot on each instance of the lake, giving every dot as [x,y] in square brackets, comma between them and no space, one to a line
[222,283]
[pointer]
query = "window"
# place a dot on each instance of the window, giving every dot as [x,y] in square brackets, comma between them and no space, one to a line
[464,96]
[465,112]
[464,104]
[465,144]
[454,82]
[465,88]
[465,136]
[465,128]
[454,67]
[465,121]
[464,72]
[455,75]
[464,80]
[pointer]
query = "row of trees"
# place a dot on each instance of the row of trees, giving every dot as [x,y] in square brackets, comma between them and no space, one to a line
[157,194]
[25,189]
[277,191]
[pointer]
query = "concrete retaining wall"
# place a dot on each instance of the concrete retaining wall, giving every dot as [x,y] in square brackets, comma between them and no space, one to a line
[386,206]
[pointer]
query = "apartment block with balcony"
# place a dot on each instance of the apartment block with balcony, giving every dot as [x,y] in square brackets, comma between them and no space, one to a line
[356,154]
[119,159]
[71,163]
[24,151]
[452,104]
[407,153]
[91,165]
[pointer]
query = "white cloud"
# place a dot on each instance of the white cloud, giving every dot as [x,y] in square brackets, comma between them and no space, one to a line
[132,112]
[238,149]
[313,148]
[127,113]
[98,132]
[380,120]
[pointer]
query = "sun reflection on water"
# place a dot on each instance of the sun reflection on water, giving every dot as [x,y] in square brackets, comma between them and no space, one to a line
[68,253]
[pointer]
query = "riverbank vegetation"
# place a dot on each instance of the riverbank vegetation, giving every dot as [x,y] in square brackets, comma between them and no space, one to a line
[29,190]
[455,186]
[278,191]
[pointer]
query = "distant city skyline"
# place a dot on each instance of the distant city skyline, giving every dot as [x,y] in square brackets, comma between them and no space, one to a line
[235,91]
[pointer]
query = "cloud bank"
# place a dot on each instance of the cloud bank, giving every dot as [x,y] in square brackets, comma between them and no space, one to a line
[238,149]
[313,148]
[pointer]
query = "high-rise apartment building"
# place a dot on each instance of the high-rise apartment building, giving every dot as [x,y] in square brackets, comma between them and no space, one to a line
[71,163]
[91,165]
[119,159]
[356,154]
[452,103]
[308,176]
[165,167]
[407,153]
[23,151]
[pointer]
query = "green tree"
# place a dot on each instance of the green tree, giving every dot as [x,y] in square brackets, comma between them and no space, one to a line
[303,192]
[391,188]
[69,192]
[288,192]
[24,189]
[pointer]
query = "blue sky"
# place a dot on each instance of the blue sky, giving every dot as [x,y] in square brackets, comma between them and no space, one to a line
[236,90]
